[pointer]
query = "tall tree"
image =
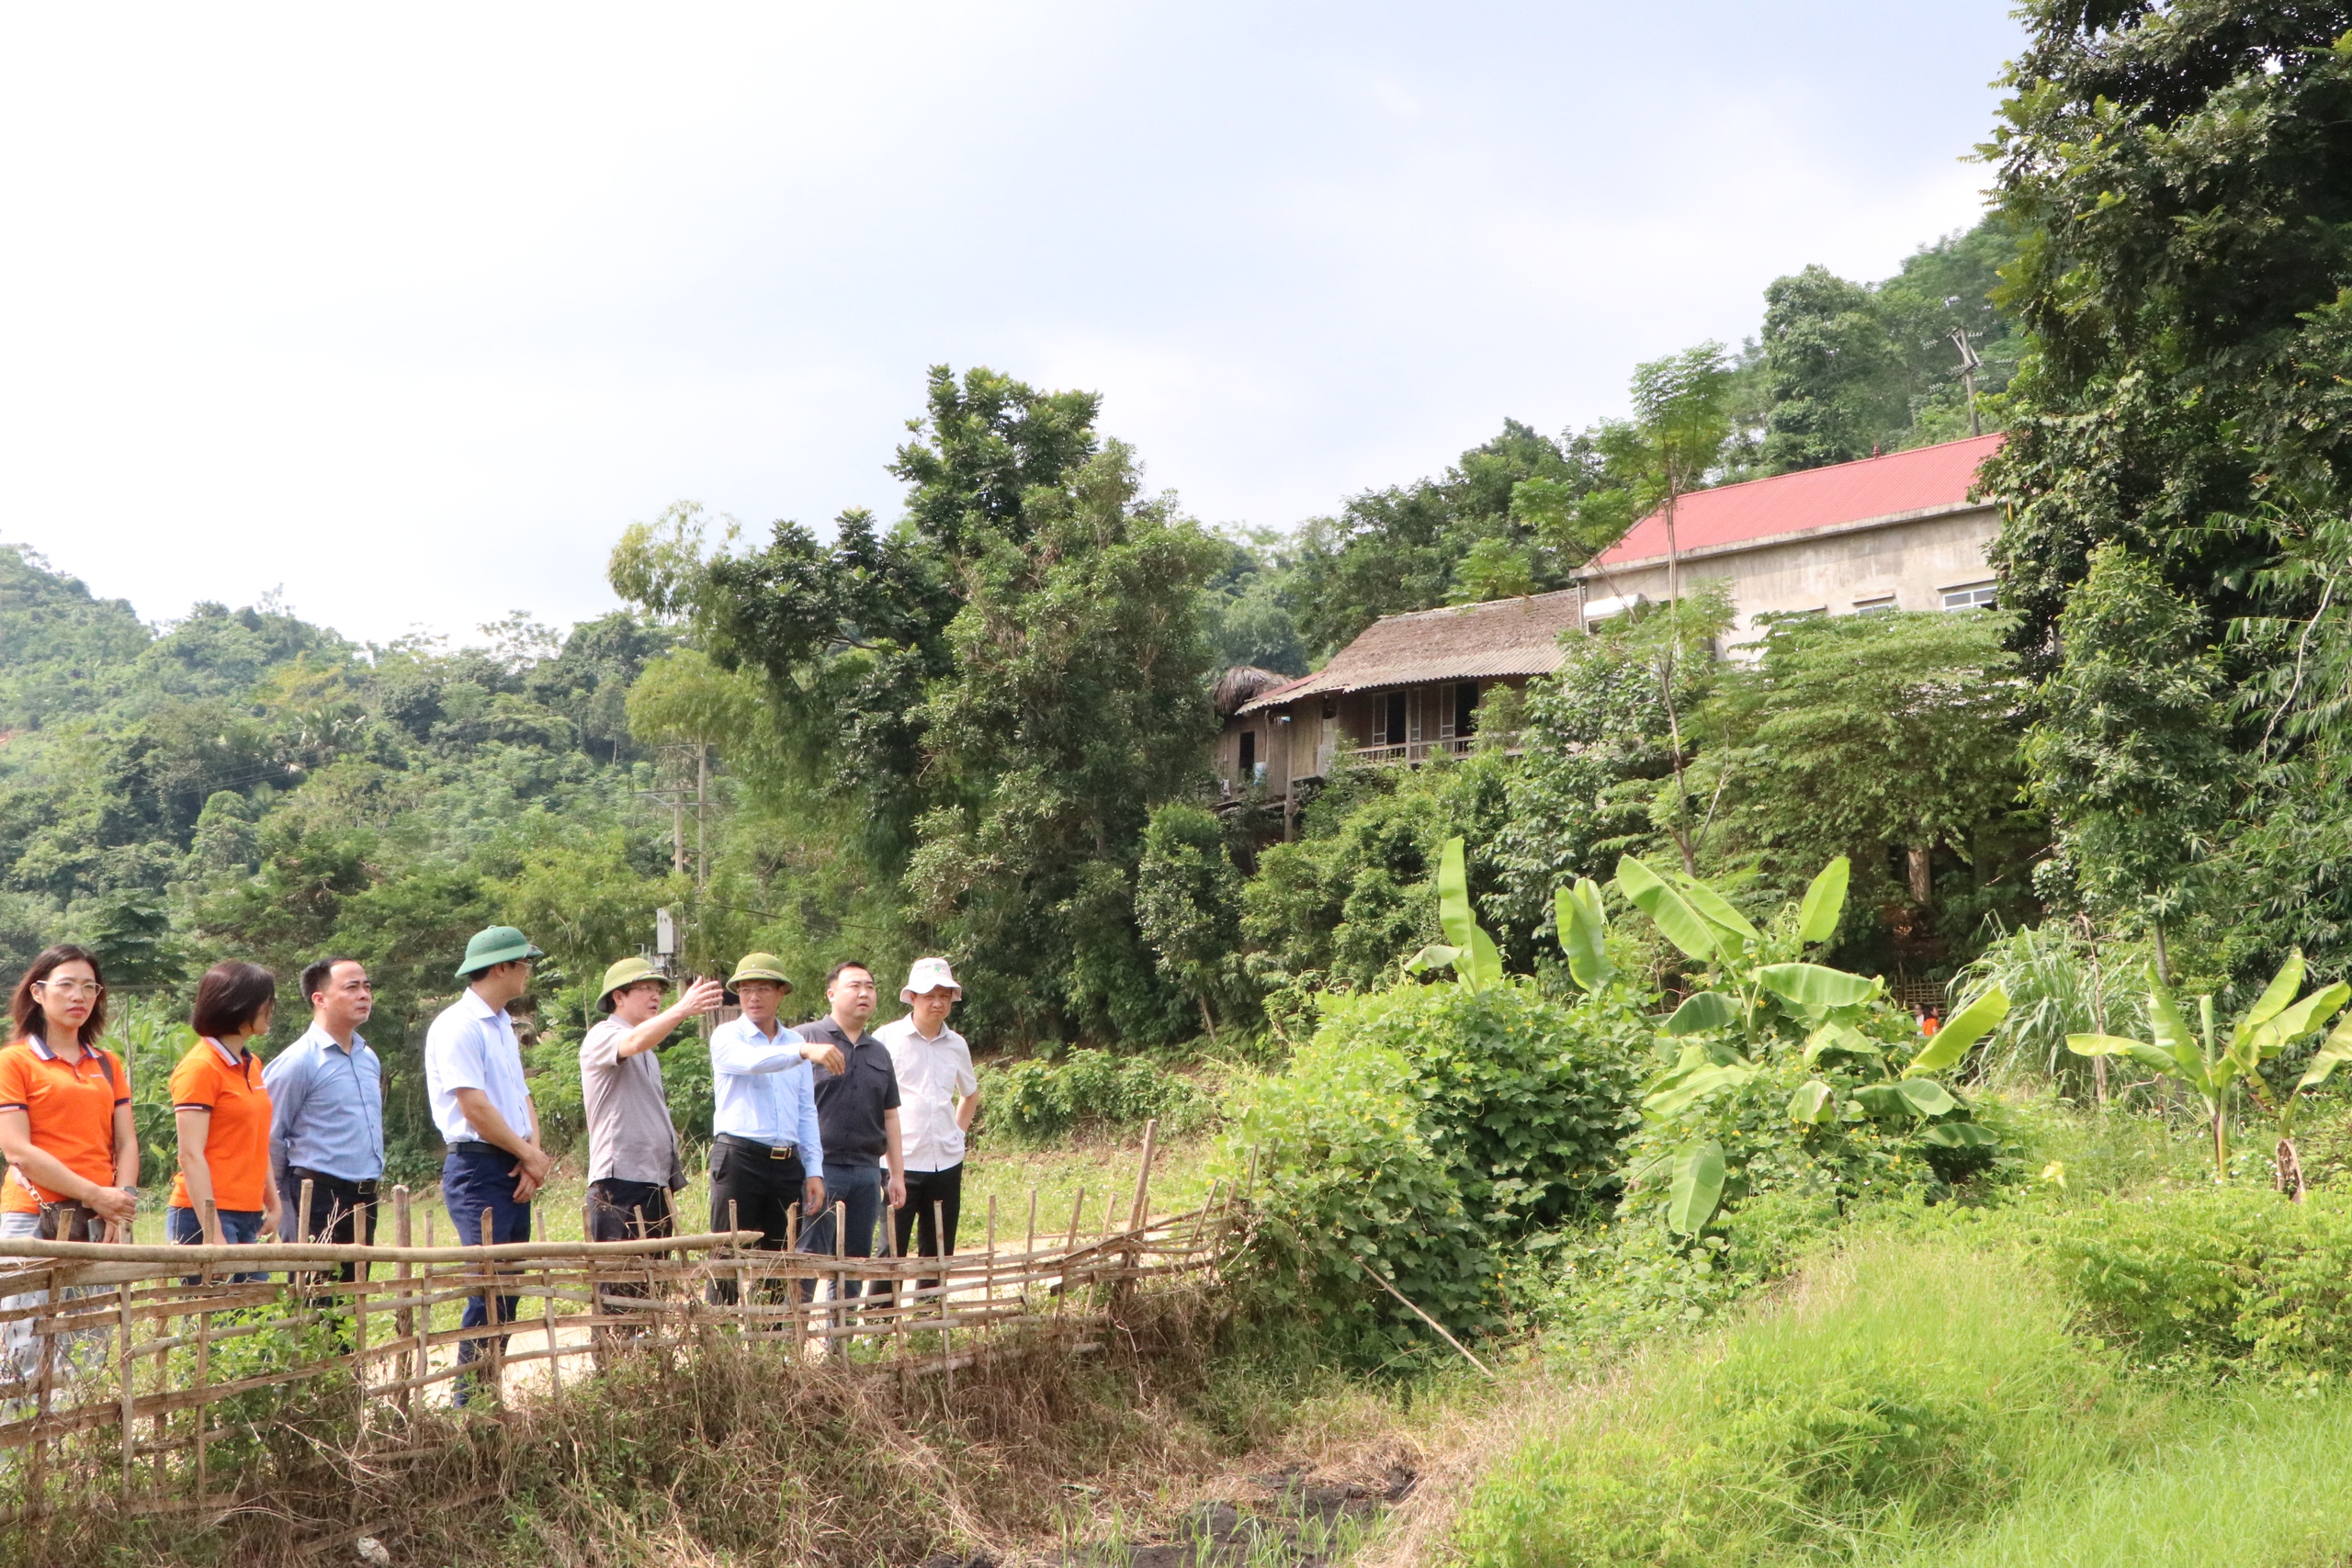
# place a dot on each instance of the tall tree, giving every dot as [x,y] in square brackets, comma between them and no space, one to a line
[2182,175]
[2132,752]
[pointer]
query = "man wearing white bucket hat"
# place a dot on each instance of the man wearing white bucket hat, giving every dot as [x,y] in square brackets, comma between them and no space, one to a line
[937,1097]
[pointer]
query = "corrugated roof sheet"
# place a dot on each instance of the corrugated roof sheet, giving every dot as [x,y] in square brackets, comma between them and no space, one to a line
[1508,637]
[1921,479]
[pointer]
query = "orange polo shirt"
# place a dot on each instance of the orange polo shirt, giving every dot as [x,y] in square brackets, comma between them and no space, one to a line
[236,1144]
[71,1109]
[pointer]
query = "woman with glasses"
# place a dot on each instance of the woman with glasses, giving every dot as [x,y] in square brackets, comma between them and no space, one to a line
[221,1107]
[65,1124]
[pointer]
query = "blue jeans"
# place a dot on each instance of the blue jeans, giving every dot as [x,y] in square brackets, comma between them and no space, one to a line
[239,1227]
[858,1189]
[469,1184]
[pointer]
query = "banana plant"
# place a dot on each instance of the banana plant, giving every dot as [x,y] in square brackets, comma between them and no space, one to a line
[1478,961]
[1704,925]
[1761,995]
[2198,1057]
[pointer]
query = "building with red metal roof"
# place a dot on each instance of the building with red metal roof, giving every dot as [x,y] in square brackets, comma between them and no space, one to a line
[1898,531]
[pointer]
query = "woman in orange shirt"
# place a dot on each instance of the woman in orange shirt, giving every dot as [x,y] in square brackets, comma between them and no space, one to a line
[65,1128]
[65,1109]
[223,1110]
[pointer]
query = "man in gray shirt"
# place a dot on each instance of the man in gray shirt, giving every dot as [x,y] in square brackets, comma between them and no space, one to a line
[633,1160]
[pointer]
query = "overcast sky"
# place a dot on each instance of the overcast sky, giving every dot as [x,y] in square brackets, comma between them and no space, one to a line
[410,309]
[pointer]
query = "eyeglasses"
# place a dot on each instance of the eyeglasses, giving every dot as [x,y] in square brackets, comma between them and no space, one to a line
[72,988]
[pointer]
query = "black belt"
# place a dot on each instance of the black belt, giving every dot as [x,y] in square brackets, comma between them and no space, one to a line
[365,1187]
[470,1147]
[765,1151]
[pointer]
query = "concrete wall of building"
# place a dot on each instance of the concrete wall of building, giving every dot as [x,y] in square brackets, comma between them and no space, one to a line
[1904,566]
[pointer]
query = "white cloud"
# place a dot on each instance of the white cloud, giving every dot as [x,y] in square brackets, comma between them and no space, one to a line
[414,310]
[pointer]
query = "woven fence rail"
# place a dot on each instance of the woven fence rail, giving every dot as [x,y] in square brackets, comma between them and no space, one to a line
[159,1362]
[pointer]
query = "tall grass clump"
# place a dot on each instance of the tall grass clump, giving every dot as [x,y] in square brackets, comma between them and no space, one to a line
[1906,1387]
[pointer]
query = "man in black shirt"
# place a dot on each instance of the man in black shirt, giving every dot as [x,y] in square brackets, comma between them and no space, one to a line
[857,1115]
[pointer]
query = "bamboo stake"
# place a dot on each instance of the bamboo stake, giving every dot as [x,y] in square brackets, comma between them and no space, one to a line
[1029,1243]
[742,1285]
[547,1316]
[1143,1177]
[203,1383]
[841,1279]
[359,1327]
[130,1393]
[597,1333]
[1125,1290]
[302,1225]
[492,1354]
[405,1324]
[799,1312]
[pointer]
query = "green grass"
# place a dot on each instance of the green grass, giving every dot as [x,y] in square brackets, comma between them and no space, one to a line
[1918,1401]
[2255,1483]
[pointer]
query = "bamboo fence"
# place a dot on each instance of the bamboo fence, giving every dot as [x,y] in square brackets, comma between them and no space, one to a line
[128,1354]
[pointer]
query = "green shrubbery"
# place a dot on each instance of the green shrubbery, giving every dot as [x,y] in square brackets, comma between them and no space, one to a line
[1425,1127]
[2217,1279]
[1040,1101]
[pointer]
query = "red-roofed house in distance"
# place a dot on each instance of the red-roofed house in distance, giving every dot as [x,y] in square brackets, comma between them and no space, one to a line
[1898,531]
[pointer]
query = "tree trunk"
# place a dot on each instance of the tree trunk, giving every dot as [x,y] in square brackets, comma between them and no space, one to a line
[1920,865]
[1206,1021]
[2288,1173]
[2164,960]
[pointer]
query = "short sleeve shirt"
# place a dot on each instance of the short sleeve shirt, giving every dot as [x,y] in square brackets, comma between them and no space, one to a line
[630,1135]
[473,1046]
[850,1103]
[70,1106]
[933,1075]
[236,1143]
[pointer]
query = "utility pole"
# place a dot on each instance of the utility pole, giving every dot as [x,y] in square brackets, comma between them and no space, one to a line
[1969,365]
[673,793]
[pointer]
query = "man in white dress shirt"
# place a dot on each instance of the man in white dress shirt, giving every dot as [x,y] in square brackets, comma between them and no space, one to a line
[938,1095]
[765,1151]
[473,1079]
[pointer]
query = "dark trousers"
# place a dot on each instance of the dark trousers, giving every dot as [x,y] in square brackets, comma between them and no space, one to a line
[627,1211]
[925,1188]
[858,1189]
[750,1189]
[239,1227]
[470,1183]
[337,1207]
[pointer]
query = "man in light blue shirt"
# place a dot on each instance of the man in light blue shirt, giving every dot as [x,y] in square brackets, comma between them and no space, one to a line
[326,1121]
[765,1152]
[473,1080]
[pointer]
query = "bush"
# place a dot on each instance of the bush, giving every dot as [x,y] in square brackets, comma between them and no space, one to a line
[2217,1279]
[1039,1101]
[1421,1132]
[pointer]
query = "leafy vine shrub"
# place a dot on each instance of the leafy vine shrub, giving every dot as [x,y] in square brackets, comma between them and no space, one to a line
[1421,1132]
[1039,1101]
[2215,1280]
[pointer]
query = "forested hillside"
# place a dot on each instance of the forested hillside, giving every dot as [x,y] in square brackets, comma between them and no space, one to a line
[980,727]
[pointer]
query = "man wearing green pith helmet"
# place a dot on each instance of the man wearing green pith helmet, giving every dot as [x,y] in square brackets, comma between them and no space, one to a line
[473,1079]
[766,1153]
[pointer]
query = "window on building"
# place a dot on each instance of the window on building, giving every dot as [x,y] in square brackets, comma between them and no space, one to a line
[1969,596]
[1395,720]
[1465,707]
[1249,754]
[1885,602]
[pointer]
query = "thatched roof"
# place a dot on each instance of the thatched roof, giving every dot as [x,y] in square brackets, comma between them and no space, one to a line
[1508,637]
[1240,683]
